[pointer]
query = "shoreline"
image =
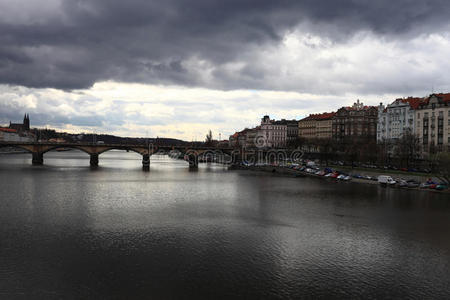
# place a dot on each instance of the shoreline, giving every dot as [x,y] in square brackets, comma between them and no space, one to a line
[296,173]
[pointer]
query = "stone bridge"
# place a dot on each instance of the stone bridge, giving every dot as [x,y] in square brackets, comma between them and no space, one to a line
[191,154]
[94,150]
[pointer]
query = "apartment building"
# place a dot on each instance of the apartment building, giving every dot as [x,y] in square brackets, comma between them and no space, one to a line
[316,126]
[433,123]
[357,121]
[273,132]
[397,118]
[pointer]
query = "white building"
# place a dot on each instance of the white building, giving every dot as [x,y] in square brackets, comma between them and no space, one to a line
[272,133]
[397,118]
[433,123]
[11,135]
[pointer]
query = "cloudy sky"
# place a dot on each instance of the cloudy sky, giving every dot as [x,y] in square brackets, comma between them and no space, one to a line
[177,68]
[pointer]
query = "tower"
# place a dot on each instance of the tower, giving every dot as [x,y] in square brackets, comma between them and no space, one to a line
[26,122]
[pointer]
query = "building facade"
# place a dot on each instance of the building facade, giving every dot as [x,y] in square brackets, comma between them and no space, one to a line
[355,122]
[272,134]
[307,127]
[433,123]
[291,130]
[244,139]
[12,135]
[316,126]
[397,118]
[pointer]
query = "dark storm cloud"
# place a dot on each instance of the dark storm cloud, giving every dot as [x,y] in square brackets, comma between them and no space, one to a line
[80,42]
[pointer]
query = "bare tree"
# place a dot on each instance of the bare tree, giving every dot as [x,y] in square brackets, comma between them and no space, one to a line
[209,138]
[442,166]
[407,149]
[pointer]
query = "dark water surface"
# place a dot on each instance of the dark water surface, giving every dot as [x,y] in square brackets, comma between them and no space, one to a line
[69,232]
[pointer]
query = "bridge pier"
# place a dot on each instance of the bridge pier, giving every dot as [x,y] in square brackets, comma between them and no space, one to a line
[38,158]
[193,161]
[93,160]
[146,162]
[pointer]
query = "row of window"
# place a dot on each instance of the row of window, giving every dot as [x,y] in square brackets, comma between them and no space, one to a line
[425,115]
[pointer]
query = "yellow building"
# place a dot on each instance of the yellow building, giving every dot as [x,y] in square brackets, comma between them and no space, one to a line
[316,126]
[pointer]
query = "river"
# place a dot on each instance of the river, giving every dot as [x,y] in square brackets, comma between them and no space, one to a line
[116,232]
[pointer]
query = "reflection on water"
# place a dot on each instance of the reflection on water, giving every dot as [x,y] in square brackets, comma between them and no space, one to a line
[67,231]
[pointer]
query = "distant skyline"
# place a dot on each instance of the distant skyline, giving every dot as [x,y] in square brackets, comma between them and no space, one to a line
[178,68]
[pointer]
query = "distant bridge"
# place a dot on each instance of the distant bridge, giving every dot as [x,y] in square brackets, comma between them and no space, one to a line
[38,149]
[192,154]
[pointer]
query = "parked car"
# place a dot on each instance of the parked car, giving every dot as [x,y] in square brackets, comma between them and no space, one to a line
[310,164]
[402,183]
[412,183]
[441,186]
[386,180]
[328,170]
[424,185]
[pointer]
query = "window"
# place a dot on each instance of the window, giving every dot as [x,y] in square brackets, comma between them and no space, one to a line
[425,115]
[418,115]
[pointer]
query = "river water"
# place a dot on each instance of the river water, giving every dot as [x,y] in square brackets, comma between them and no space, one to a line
[69,232]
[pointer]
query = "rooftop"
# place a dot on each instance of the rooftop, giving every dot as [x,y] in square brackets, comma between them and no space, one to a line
[3,129]
[319,117]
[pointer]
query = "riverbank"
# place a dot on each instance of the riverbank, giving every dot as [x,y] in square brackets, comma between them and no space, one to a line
[297,173]
[393,173]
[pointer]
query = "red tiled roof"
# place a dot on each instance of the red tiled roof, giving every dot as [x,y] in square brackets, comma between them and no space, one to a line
[319,117]
[414,102]
[8,130]
[444,96]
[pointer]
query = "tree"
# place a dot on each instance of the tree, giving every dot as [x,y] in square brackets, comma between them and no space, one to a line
[442,166]
[297,143]
[407,149]
[209,139]
[384,149]
[325,146]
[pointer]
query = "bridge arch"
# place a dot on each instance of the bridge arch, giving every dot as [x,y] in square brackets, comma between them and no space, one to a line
[63,146]
[121,148]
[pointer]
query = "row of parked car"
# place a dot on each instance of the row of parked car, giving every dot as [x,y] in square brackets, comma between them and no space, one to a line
[326,172]
[382,179]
